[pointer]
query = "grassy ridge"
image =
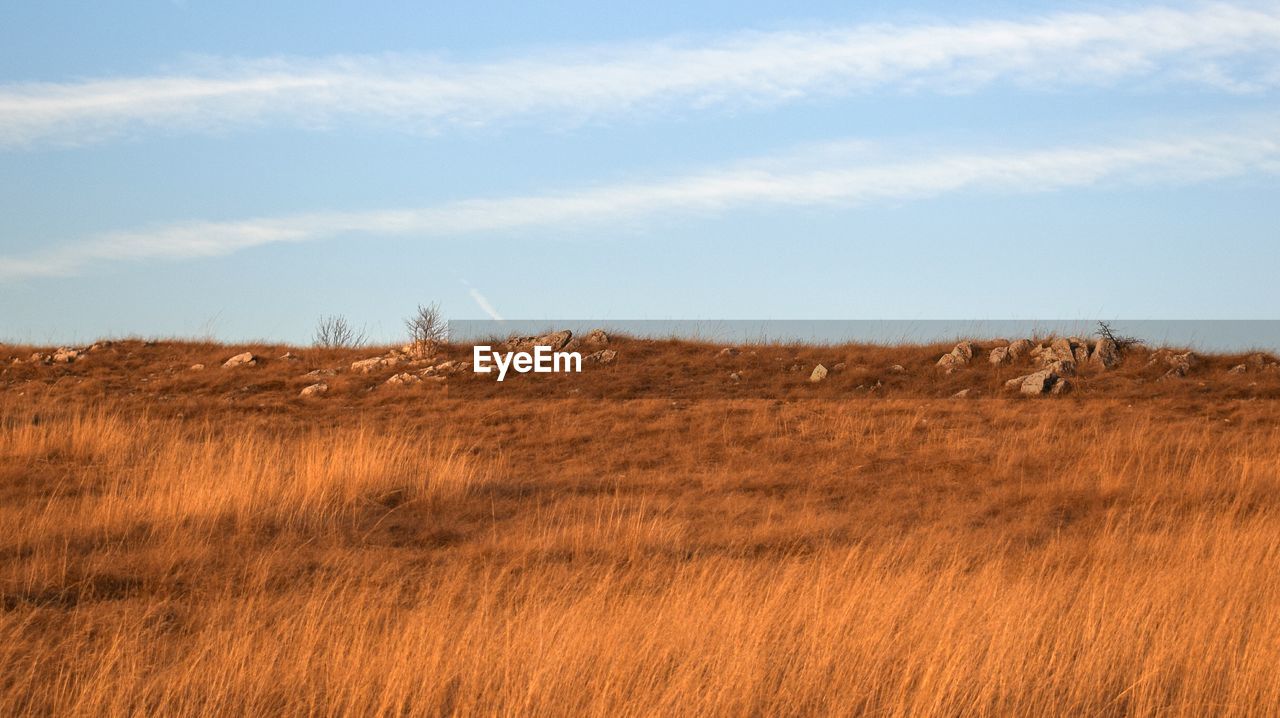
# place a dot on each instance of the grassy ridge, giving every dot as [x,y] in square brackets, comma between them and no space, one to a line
[182,546]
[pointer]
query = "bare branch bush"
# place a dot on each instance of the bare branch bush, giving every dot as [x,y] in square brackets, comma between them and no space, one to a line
[1122,342]
[334,332]
[427,326]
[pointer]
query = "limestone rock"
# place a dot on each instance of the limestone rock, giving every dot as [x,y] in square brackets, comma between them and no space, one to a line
[1105,354]
[596,336]
[403,380]
[604,356]
[197,367]
[1063,367]
[897,369]
[1061,386]
[960,394]
[314,390]
[728,352]
[819,373]
[1019,349]
[65,355]
[1038,383]
[245,359]
[1238,369]
[950,363]
[1000,356]
[364,366]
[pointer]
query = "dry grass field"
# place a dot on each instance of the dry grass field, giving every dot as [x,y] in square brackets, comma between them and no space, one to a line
[646,538]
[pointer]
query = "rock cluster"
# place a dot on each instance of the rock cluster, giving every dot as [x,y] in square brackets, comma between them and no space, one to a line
[604,356]
[555,340]
[1062,356]
[1045,381]
[1179,364]
[957,358]
[1255,362]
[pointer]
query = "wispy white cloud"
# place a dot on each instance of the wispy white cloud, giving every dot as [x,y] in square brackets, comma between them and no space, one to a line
[482,301]
[778,182]
[1230,47]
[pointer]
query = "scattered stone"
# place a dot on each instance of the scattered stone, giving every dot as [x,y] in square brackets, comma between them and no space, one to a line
[735,377]
[66,356]
[290,356]
[950,363]
[1063,367]
[1238,369]
[403,379]
[728,352]
[819,373]
[604,356]
[1081,354]
[597,336]
[1105,354]
[314,390]
[239,360]
[364,366]
[959,356]
[197,367]
[1038,383]
[321,372]
[99,346]
[1019,349]
[839,367]
[960,394]
[555,340]
[897,369]
[1179,364]
[1061,386]
[1000,356]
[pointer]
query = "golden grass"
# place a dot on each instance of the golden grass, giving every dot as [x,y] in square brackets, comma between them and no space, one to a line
[436,556]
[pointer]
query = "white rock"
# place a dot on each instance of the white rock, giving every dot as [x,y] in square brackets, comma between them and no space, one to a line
[1038,383]
[819,373]
[604,356]
[315,390]
[245,359]
[364,366]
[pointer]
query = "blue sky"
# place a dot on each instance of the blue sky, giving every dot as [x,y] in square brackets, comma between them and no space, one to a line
[192,168]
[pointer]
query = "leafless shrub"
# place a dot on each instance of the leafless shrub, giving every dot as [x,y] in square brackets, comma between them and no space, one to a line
[427,326]
[1122,342]
[334,332]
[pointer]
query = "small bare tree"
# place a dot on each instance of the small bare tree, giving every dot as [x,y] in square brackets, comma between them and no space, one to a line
[427,326]
[1121,342]
[334,332]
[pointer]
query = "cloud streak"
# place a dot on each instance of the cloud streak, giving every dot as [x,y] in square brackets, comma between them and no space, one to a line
[482,301]
[1231,48]
[776,182]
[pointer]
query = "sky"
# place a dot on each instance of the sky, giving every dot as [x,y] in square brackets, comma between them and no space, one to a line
[239,169]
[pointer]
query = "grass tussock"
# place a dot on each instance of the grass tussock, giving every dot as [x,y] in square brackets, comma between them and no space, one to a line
[432,555]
